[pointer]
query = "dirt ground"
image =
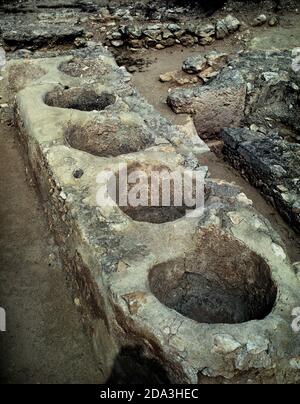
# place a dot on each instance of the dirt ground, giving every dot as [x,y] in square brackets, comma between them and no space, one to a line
[44,342]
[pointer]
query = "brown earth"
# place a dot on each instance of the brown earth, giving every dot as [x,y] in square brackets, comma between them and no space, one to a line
[44,342]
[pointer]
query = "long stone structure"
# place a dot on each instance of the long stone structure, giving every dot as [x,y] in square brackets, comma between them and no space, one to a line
[207,298]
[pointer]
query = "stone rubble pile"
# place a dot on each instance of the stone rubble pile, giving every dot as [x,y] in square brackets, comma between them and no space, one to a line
[197,69]
[161,35]
[269,163]
[253,105]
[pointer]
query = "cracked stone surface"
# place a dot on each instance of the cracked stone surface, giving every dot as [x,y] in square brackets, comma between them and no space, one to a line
[214,106]
[258,88]
[271,164]
[110,257]
[273,87]
[258,92]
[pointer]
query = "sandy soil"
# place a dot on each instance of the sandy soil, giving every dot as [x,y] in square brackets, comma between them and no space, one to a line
[44,342]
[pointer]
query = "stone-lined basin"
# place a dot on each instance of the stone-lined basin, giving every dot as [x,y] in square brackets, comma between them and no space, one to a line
[108,138]
[79,98]
[221,281]
[168,205]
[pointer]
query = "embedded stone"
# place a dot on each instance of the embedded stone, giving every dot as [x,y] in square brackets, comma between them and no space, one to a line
[194,64]
[260,20]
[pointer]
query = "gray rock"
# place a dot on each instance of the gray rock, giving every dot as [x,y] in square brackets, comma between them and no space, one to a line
[207,40]
[134,32]
[152,34]
[187,40]
[232,24]
[206,31]
[216,105]
[116,35]
[221,30]
[216,59]
[117,43]
[270,76]
[267,160]
[179,34]
[194,64]
[260,20]
[174,27]
[154,27]
[166,34]
[273,21]
[36,37]
[227,26]
[191,29]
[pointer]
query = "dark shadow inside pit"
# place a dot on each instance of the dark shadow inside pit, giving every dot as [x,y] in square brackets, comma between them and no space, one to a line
[220,282]
[133,366]
[82,99]
[159,212]
[108,139]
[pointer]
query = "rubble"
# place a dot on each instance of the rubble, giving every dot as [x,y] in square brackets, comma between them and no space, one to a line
[269,163]
[194,64]
[227,26]
[264,94]
[178,77]
[164,34]
[273,91]
[206,66]
[219,104]
[260,91]
[216,59]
